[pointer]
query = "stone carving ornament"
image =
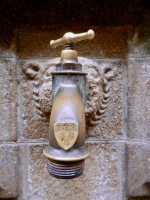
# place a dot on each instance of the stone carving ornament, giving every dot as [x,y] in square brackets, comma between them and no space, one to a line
[97,87]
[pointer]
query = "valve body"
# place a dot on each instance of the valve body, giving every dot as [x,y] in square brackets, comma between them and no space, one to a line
[66,151]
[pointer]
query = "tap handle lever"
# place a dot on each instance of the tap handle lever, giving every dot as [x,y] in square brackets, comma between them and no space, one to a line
[70,37]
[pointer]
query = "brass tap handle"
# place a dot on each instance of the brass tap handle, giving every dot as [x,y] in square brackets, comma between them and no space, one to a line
[72,38]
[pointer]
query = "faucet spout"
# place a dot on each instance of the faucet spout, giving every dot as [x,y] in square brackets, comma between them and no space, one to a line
[66,151]
[68,110]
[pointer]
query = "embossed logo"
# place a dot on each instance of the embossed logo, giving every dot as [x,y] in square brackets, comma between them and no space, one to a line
[66,134]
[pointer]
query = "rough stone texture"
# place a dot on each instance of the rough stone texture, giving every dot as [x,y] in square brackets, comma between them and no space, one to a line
[139,99]
[100,13]
[35,43]
[136,198]
[73,13]
[122,30]
[121,169]
[7,43]
[8,171]
[138,170]
[109,42]
[8,100]
[110,125]
[32,125]
[139,46]
[99,180]
[104,89]
[22,171]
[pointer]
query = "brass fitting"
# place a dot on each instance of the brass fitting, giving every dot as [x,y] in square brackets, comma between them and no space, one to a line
[68,40]
[71,38]
[66,151]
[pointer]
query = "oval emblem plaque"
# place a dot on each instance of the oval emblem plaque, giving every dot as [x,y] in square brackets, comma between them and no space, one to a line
[66,134]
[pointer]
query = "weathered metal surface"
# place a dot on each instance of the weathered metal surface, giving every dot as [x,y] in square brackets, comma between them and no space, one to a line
[65,170]
[66,156]
[69,66]
[73,78]
[70,38]
[67,120]
[66,134]
[68,107]
[65,164]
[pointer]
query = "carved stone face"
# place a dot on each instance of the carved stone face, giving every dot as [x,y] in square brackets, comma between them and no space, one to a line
[97,86]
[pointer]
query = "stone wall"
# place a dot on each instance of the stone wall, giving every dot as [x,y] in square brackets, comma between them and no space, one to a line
[118,165]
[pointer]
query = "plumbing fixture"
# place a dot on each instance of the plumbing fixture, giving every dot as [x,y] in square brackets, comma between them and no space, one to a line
[66,152]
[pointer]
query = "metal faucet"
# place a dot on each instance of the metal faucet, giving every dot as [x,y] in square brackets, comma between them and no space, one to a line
[66,152]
